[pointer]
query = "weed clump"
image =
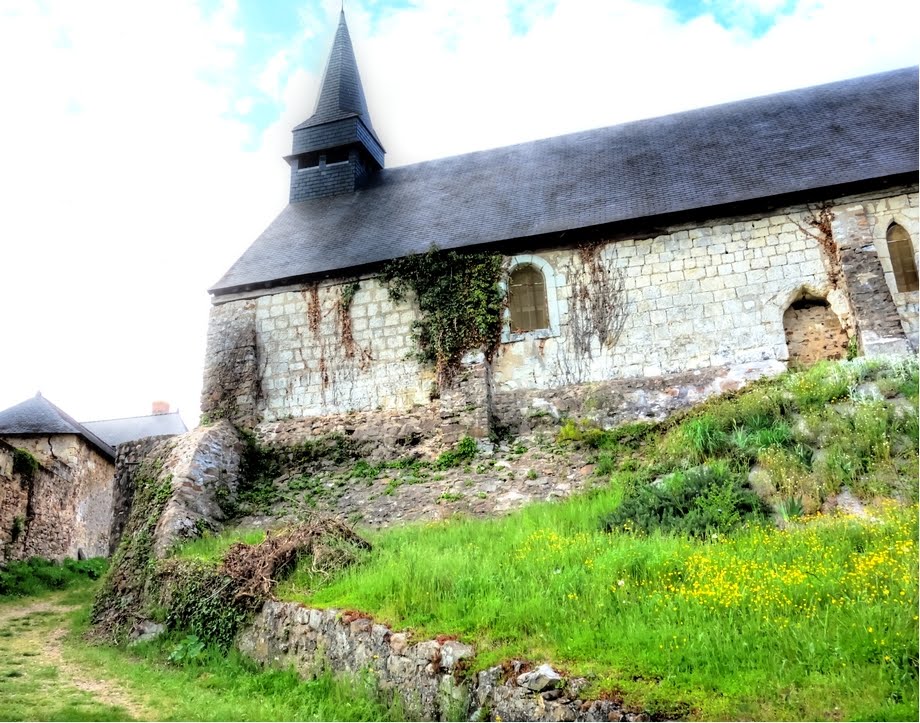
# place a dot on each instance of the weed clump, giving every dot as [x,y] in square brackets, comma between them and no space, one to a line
[462,452]
[24,463]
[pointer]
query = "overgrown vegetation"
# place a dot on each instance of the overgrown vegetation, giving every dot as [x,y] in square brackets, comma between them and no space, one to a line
[196,594]
[462,452]
[37,575]
[670,585]
[120,602]
[704,501]
[702,606]
[24,463]
[261,465]
[460,300]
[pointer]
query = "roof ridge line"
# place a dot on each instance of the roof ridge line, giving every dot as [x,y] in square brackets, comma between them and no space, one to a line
[136,416]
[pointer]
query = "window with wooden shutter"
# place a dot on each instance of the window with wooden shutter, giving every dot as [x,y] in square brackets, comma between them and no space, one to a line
[901,253]
[527,299]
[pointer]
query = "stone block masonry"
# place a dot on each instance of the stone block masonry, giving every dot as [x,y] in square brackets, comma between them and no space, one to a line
[696,298]
[880,214]
[879,324]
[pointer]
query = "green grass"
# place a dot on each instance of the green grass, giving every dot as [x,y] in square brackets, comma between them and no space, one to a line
[37,575]
[211,548]
[219,686]
[214,686]
[727,629]
[32,686]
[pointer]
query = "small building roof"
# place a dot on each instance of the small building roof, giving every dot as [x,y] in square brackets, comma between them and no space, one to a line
[39,416]
[129,429]
[849,132]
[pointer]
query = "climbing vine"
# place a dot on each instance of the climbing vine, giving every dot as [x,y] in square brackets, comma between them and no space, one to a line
[120,602]
[460,300]
[597,309]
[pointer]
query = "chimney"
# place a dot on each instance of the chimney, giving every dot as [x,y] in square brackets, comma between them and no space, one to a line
[160,408]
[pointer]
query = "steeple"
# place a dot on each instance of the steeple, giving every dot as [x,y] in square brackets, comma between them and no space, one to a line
[335,149]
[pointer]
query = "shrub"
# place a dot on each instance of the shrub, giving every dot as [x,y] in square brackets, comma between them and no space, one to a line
[699,502]
[570,431]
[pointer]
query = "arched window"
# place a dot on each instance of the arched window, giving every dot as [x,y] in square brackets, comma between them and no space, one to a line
[527,299]
[901,253]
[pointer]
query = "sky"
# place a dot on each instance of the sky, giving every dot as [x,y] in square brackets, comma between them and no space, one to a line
[141,141]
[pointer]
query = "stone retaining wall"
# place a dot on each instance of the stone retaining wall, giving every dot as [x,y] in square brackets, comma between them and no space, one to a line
[431,676]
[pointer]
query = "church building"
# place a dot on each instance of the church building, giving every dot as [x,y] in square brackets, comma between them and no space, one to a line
[647,265]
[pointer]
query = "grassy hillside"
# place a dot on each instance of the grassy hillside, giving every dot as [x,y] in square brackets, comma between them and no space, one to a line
[719,573]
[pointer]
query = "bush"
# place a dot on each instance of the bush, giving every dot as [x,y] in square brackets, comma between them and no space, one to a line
[37,575]
[699,502]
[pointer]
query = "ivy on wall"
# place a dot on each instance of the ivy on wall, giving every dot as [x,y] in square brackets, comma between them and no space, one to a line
[460,301]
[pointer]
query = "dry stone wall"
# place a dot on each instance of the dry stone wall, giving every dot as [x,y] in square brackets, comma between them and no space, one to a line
[429,675]
[14,500]
[697,298]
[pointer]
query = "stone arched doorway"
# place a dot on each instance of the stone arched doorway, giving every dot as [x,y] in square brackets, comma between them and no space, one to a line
[813,331]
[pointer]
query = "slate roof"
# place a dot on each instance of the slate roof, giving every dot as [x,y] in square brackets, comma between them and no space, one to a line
[341,95]
[850,131]
[129,429]
[39,416]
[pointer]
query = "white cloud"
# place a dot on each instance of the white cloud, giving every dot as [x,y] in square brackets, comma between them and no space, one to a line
[127,191]
[117,217]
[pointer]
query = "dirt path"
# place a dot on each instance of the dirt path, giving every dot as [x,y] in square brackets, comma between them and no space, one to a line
[39,679]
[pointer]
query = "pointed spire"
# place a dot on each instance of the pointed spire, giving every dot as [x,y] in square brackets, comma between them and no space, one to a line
[341,94]
[335,150]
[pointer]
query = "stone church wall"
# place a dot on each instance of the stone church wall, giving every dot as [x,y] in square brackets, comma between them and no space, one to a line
[703,309]
[66,506]
[880,214]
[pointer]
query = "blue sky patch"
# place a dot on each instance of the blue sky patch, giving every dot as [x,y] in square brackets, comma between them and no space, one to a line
[731,14]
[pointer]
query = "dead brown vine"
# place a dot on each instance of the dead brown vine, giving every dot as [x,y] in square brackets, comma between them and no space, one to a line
[821,220]
[314,320]
[343,319]
[256,568]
